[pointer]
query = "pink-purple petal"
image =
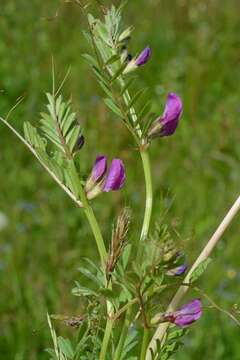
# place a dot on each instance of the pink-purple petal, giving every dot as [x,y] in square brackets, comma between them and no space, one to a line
[143,58]
[171,116]
[177,271]
[100,168]
[186,315]
[116,176]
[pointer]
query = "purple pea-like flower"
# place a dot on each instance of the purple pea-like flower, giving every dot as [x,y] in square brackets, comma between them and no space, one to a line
[116,176]
[168,122]
[186,315]
[143,58]
[140,60]
[177,271]
[171,115]
[99,181]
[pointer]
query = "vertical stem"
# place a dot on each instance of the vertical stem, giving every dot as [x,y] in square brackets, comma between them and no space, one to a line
[89,214]
[146,221]
[144,343]
[146,169]
[149,195]
[161,330]
[107,335]
[126,324]
[97,233]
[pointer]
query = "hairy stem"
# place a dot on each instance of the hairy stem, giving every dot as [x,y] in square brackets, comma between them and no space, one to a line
[160,333]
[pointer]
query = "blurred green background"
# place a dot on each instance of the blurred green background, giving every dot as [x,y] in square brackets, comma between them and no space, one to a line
[196,172]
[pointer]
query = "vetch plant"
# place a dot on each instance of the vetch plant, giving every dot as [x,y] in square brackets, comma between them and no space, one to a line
[124,306]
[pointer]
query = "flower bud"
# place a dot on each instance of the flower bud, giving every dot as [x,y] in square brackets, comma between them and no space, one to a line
[168,122]
[141,60]
[79,144]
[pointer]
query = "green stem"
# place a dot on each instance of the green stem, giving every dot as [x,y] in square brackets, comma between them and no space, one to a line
[126,324]
[144,343]
[97,233]
[149,195]
[146,168]
[89,213]
[106,339]
[145,227]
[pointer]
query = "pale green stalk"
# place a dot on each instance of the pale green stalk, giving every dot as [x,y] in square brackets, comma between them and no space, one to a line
[148,204]
[146,169]
[145,227]
[126,324]
[90,215]
[107,336]
[149,195]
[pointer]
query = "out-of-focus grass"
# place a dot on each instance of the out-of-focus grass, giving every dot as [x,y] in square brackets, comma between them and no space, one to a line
[195,53]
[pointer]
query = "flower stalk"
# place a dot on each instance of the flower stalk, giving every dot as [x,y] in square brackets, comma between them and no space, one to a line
[106,339]
[149,194]
[126,324]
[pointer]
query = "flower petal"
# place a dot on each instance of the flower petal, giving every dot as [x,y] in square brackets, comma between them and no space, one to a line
[143,58]
[172,113]
[97,176]
[188,314]
[177,271]
[116,176]
[100,168]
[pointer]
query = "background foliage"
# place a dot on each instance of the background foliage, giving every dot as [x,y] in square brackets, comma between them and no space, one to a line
[195,53]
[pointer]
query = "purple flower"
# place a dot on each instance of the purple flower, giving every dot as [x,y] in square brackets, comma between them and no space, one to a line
[188,314]
[171,115]
[168,122]
[99,181]
[177,271]
[116,176]
[143,58]
[140,60]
